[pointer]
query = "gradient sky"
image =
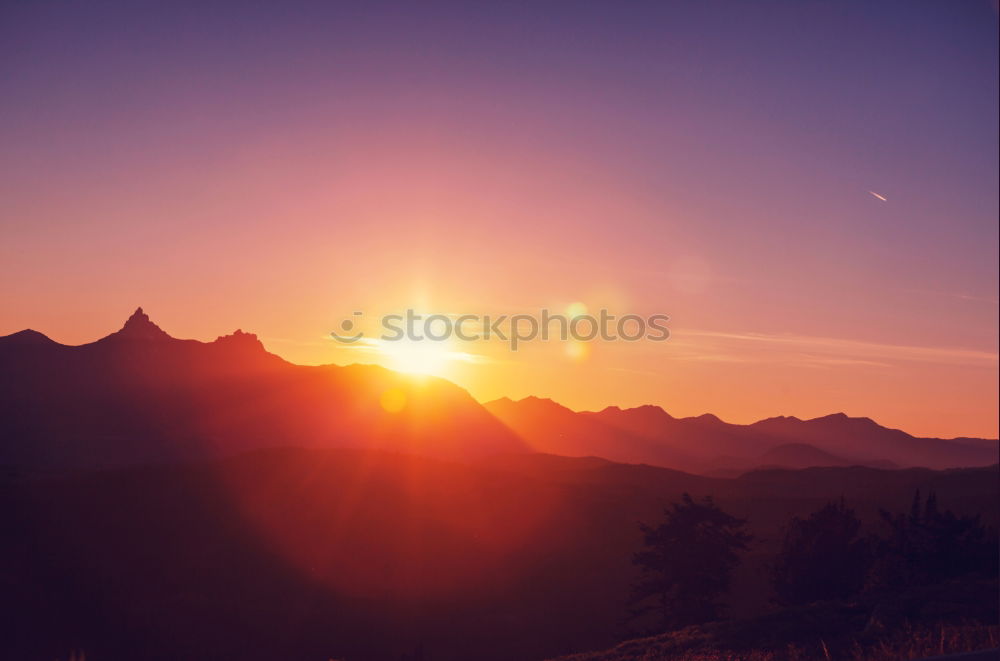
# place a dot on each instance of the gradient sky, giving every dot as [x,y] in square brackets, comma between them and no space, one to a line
[275,166]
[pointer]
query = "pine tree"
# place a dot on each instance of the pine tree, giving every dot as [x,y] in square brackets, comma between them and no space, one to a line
[822,557]
[687,562]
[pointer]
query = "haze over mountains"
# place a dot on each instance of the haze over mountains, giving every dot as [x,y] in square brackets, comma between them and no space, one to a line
[706,444]
[140,395]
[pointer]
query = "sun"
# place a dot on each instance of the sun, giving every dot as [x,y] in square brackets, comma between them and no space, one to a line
[418,356]
[429,357]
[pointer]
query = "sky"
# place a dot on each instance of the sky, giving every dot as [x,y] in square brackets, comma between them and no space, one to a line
[808,189]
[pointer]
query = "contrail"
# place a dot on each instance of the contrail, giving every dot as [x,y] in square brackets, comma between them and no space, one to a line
[878,196]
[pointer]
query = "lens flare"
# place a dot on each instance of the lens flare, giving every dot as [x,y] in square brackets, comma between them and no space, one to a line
[393,400]
[578,351]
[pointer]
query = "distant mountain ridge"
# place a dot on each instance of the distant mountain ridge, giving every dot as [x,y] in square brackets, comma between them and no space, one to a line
[706,444]
[140,395]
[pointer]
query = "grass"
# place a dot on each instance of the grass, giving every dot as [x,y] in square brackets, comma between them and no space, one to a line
[904,644]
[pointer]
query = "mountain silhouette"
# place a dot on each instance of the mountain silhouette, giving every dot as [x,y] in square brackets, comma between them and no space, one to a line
[138,327]
[140,395]
[789,455]
[706,444]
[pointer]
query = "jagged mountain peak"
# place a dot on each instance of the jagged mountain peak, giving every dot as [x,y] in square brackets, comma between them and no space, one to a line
[140,327]
[239,338]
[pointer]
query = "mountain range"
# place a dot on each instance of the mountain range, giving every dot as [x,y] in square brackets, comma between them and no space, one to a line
[707,445]
[140,395]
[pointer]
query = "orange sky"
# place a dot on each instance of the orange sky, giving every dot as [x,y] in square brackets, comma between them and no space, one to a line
[742,377]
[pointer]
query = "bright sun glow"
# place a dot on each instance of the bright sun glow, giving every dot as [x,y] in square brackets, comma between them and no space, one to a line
[419,357]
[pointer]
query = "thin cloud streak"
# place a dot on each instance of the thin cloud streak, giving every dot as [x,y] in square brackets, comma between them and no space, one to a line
[844,351]
[379,347]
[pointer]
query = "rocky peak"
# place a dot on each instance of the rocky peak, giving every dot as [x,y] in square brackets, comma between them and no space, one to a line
[139,327]
[239,339]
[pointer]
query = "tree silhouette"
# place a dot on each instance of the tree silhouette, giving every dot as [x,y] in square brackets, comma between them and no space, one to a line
[687,562]
[822,557]
[928,545]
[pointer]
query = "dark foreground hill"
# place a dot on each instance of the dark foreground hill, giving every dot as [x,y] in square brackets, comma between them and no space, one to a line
[318,554]
[949,621]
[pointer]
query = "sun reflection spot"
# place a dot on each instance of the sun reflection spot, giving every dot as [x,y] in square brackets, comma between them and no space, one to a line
[578,351]
[574,310]
[393,400]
